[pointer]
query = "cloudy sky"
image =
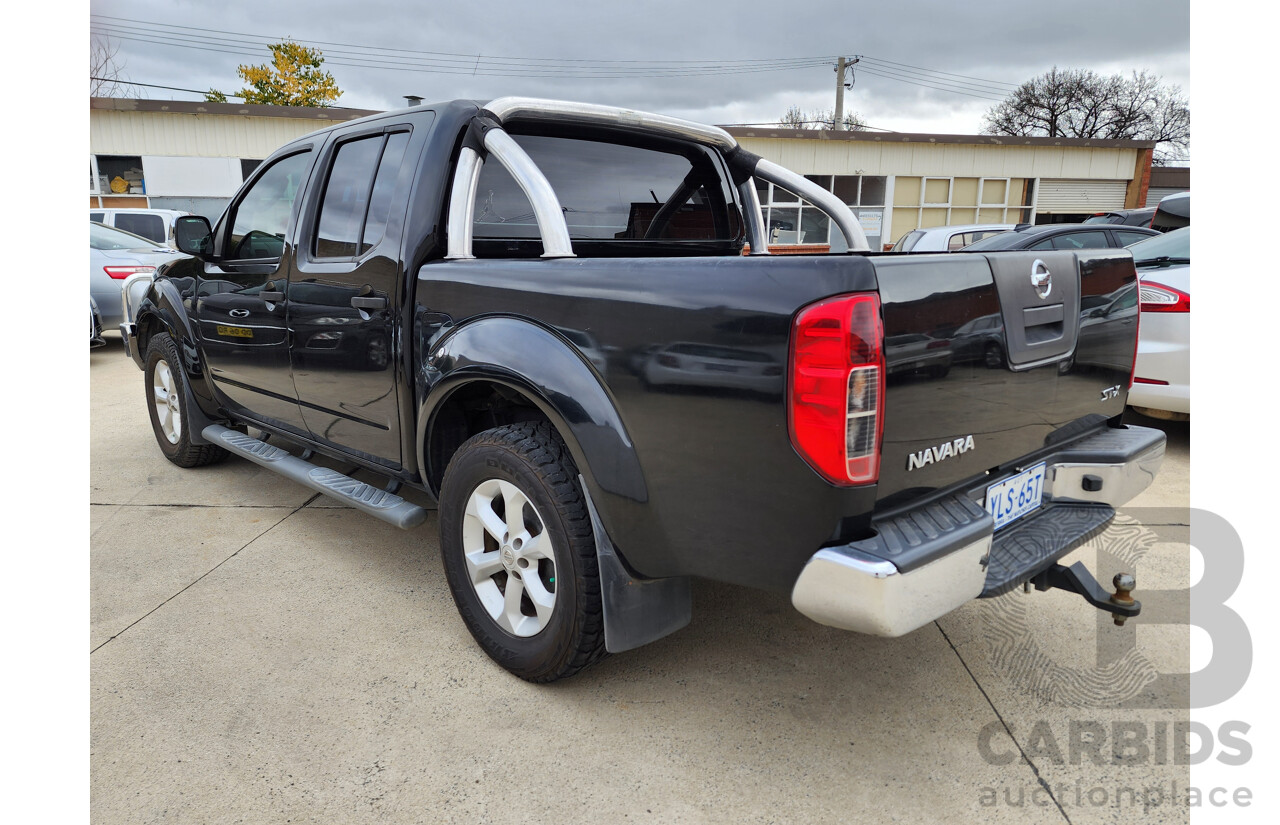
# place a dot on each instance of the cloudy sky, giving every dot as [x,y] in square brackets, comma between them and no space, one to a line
[926,66]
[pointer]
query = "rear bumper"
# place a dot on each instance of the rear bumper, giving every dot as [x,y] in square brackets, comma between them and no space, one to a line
[923,563]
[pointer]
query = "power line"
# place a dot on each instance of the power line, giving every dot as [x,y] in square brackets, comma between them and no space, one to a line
[935,71]
[479,65]
[154,86]
[879,73]
[484,70]
[238,41]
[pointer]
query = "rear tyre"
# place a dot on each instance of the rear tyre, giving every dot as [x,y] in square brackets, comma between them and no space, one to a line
[166,386]
[519,554]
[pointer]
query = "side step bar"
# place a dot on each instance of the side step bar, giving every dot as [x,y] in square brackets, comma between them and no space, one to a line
[368,499]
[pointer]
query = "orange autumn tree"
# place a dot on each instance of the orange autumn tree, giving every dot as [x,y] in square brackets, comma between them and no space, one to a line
[293,78]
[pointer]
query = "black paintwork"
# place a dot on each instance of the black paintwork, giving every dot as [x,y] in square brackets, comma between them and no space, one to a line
[665,375]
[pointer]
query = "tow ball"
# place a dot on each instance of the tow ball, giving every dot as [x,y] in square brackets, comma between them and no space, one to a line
[1077,579]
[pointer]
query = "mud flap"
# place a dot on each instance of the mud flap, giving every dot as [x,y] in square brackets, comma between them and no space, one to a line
[636,610]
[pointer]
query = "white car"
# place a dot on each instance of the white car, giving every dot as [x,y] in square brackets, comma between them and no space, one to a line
[1162,375]
[947,238]
[152,224]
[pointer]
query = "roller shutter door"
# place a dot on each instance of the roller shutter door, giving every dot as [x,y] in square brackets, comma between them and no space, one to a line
[1071,196]
[1154,195]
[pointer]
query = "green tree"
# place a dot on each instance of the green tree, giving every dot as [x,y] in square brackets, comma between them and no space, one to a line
[293,78]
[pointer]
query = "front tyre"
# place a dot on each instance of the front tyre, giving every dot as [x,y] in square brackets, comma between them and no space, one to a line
[166,386]
[519,554]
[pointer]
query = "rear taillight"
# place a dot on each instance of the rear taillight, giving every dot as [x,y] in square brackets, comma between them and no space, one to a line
[1137,336]
[836,388]
[1160,298]
[668,361]
[122,272]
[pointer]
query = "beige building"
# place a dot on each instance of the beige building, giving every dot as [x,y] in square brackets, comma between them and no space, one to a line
[193,156]
[898,182]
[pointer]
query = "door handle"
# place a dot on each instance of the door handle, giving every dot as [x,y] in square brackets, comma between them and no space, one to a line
[269,294]
[368,302]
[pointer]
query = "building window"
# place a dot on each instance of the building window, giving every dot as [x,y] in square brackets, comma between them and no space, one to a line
[923,202]
[118,175]
[247,165]
[793,220]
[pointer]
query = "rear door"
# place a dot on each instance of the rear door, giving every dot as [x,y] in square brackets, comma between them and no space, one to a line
[346,290]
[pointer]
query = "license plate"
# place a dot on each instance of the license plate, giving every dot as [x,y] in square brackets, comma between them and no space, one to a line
[721,368]
[1013,498]
[235,332]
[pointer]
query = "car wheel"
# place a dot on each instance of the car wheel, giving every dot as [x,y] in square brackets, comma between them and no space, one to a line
[166,386]
[993,356]
[519,554]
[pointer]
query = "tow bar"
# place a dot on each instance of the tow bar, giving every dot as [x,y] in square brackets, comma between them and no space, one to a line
[1077,579]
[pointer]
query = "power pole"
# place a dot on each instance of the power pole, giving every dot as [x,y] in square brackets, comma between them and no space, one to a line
[842,65]
[839,119]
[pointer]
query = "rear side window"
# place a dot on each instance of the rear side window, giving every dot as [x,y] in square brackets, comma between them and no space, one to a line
[1126,238]
[1081,240]
[150,227]
[357,195]
[96,217]
[612,192]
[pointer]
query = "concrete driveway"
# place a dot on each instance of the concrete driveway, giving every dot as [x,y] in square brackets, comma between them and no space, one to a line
[261,654]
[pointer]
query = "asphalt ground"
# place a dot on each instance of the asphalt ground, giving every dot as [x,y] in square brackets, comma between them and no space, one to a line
[262,654]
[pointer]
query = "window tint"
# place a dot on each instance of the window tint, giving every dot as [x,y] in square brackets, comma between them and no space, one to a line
[1126,238]
[104,237]
[610,192]
[262,215]
[1081,240]
[1045,244]
[1175,244]
[383,187]
[148,226]
[346,195]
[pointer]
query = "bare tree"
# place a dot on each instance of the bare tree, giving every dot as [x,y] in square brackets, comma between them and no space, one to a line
[1080,103]
[106,70]
[795,118]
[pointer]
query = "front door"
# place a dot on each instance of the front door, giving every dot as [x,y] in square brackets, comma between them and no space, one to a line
[240,305]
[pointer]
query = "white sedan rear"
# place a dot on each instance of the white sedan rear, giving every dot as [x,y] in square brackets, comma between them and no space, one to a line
[1162,375]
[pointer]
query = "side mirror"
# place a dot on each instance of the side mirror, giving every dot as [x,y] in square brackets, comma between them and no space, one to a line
[193,235]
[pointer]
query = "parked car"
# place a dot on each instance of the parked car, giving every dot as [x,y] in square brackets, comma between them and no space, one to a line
[1173,212]
[152,224]
[1125,217]
[575,505]
[1067,236]
[114,255]
[947,238]
[1162,376]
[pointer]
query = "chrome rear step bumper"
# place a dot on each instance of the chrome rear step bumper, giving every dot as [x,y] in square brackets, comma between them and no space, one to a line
[923,563]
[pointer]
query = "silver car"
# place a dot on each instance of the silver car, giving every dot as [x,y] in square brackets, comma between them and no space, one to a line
[114,255]
[947,238]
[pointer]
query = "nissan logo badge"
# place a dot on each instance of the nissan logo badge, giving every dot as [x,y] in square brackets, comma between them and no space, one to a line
[1041,279]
